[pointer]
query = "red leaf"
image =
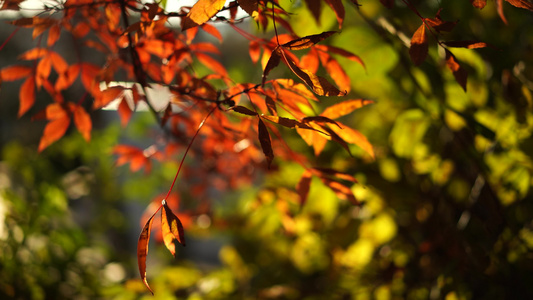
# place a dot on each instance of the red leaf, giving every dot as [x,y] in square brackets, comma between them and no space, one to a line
[303,186]
[336,71]
[212,64]
[343,108]
[264,140]
[142,249]
[338,8]
[273,62]
[314,6]
[459,73]
[499,7]
[212,30]
[83,123]
[67,78]
[249,6]
[479,3]
[26,95]
[33,54]
[307,41]
[255,51]
[107,96]
[13,73]
[419,45]
[53,131]
[201,12]
[438,24]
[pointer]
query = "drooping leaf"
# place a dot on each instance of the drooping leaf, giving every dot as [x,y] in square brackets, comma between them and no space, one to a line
[83,123]
[355,137]
[479,3]
[26,95]
[249,6]
[499,8]
[264,140]
[213,64]
[201,12]
[125,112]
[342,191]
[466,44]
[13,73]
[171,229]
[319,85]
[273,62]
[307,41]
[440,25]
[53,35]
[107,96]
[343,108]
[142,249]
[521,4]
[336,71]
[212,30]
[419,45]
[338,9]
[255,51]
[53,131]
[315,8]
[303,186]
[458,72]
[343,53]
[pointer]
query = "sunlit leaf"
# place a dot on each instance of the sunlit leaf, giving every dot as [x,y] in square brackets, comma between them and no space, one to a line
[124,112]
[273,62]
[338,9]
[438,24]
[26,95]
[83,122]
[419,45]
[171,229]
[53,35]
[53,131]
[479,3]
[315,8]
[343,108]
[201,12]
[353,136]
[466,44]
[342,191]
[303,186]
[13,73]
[521,4]
[499,8]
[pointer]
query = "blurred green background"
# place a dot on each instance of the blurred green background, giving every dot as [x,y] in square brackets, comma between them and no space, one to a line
[447,214]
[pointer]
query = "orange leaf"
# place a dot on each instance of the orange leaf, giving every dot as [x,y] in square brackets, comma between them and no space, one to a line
[26,95]
[342,191]
[343,108]
[212,64]
[255,51]
[319,85]
[438,24]
[58,62]
[273,62]
[13,73]
[142,249]
[313,138]
[83,123]
[344,53]
[53,131]
[419,45]
[310,61]
[499,8]
[212,30]
[303,186]
[67,78]
[33,54]
[336,71]
[286,122]
[353,136]
[107,96]
[53,35]
[264,140]
[307,41]
[466,44]
[459,73]
[201,12]
[124,111]
[479,3]
[171,229]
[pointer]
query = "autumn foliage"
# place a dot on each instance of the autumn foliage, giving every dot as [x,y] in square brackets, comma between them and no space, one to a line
[239,126]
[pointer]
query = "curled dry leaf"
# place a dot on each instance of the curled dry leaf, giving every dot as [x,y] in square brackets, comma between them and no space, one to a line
[142,249]
[171,229]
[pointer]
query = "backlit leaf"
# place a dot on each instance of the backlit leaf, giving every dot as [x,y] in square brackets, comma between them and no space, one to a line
[338,9]
[125,112]
[314,7]
[499,8]
[142,249]
[53,35]
[83,123]
[466,44]
[264,140]
[13,73]
[343,53]
[53,131]
[343,108]
[438,24]
[336,71]
[458,72]
[244,110]
[201,12]
[171,229]
[353,136]
[419,45]
[342,191]
[273,62]
[26,95]
[307,41]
